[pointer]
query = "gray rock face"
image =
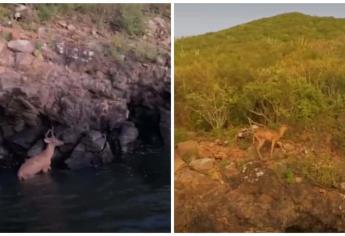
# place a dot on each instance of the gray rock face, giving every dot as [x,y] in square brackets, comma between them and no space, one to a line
[23,140]
[165,126]
[129,133]
[80,158]
[81,92]
[92,150]
[3,152]
[94,141]
[21,45]
[36,148]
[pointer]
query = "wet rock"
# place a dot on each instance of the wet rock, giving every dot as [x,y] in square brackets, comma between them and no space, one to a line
[94,141]
[165,126]
[92,150]
[20,142]
[106,155]
[70,136]
[80,158]
[21,45]
[114,144]
[3,152]
[128,134]
[36,148]
[202,165]
[147,121]
[7,130]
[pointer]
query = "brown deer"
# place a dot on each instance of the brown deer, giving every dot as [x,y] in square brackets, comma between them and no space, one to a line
[263,134]
[40,162]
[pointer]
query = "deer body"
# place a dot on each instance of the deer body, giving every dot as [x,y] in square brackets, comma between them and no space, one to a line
[262,135]
[40,162]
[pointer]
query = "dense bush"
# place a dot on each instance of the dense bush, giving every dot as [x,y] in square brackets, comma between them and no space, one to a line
[284,69]
[127,18]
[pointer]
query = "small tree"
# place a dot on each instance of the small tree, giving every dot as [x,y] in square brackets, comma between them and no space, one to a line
[212,106]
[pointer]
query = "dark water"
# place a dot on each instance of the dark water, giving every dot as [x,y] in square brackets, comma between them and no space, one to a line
[131,197]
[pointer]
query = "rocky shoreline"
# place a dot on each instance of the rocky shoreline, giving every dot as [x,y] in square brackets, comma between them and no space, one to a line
[100,108]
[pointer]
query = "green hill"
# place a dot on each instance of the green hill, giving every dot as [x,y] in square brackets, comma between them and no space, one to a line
[288,68]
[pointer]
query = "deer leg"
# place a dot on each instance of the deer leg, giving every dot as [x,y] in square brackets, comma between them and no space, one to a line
[46,169]
[272,147]
[258,147]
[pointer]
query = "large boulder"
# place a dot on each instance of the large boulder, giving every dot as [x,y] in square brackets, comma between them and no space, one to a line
[21,45]
[202,165]
[128,134]
[3,152]
[22,141]
[178,163]
[188,149]
[92,150]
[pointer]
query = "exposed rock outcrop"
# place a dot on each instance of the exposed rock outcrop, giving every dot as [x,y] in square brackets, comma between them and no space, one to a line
[240,193]
[53,78]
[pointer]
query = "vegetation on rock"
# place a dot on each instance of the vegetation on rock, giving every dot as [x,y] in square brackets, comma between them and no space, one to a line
[288,69]
[283,69]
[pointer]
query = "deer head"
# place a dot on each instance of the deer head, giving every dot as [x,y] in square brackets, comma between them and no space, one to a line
[283,129]
[52,139]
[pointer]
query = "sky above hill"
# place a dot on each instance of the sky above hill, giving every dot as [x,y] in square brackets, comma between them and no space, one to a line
[194,19]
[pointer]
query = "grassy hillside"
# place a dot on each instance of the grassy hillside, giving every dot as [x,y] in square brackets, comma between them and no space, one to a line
[133,30]
[284,69]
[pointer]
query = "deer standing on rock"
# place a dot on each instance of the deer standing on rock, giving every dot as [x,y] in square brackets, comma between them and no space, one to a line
[40,162]
[261,135]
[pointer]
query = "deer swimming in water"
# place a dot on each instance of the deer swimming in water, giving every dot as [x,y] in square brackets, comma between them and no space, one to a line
[41,161]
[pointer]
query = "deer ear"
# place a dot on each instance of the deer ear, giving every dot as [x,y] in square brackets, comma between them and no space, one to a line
[46,140]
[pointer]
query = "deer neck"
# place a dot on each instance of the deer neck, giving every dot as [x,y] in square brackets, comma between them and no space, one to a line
[281,132]
[50,150]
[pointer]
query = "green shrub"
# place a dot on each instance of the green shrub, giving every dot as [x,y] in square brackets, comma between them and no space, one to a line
[284,69]
[321,170]
[289,176]
[181,135]
[6,35]
[146,51]
[5,12]
[130,18]
[46,12]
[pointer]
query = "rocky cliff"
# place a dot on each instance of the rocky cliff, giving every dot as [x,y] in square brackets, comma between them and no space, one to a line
[104,96]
